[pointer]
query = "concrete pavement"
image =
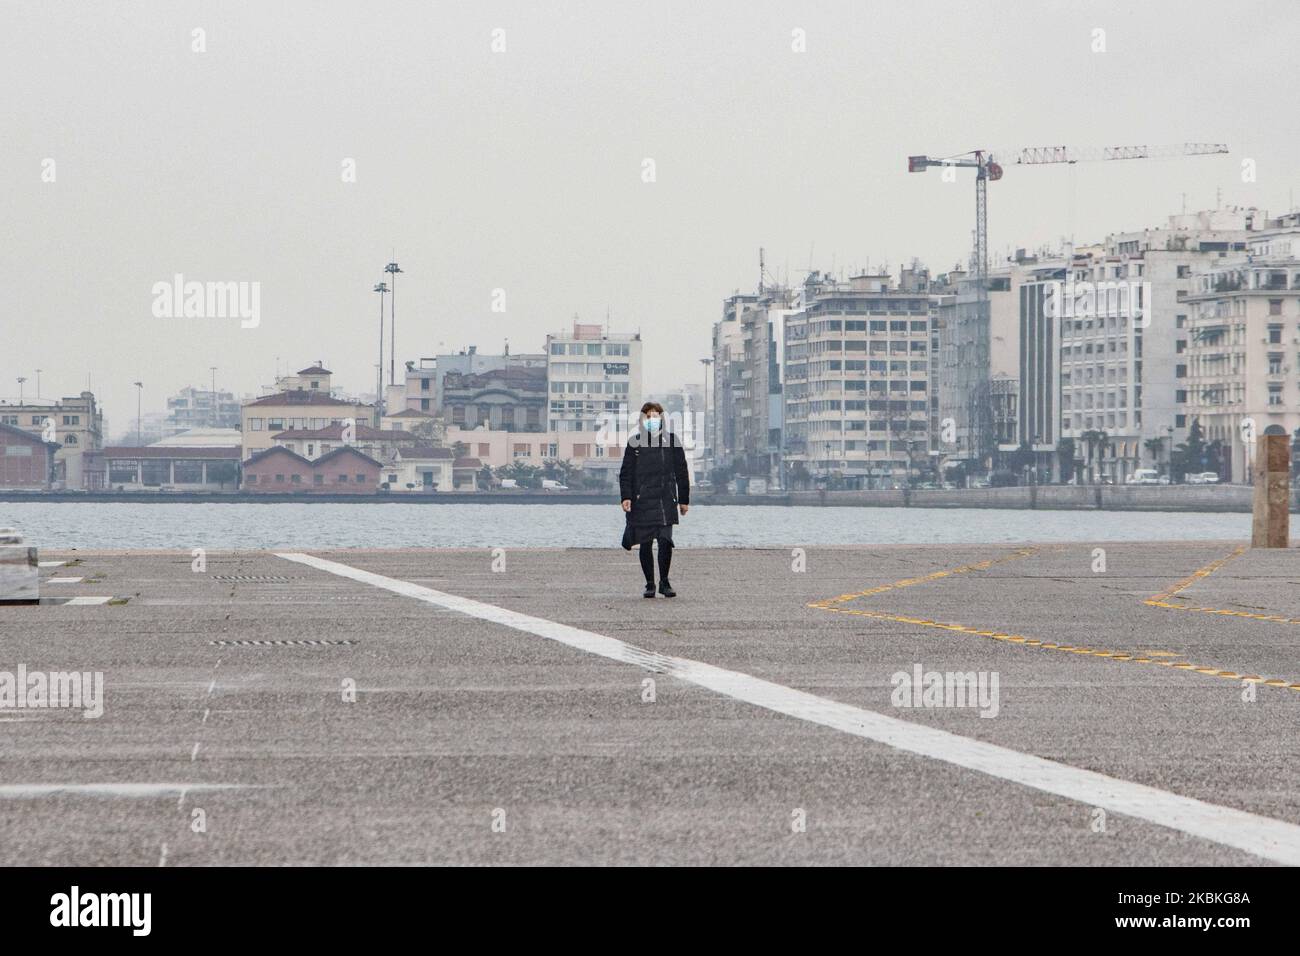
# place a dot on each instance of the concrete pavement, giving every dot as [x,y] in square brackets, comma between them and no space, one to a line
[474,742]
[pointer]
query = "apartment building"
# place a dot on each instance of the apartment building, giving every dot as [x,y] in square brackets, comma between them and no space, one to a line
[512,398]
[1125,337]
[201,408]
[424,380]
[755,408]
[297,410]
[857,381]
[76,424]
[1242,358]
[979,365]
[727,382]
[592,376]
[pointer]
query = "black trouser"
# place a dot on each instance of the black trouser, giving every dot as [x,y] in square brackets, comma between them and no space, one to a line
[665,560]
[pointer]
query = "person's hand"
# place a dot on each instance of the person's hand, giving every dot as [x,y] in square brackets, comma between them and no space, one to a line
[684,508]
[627,504]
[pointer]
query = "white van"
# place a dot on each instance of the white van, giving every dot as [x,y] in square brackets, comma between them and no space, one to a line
[1144,476]
[549,485]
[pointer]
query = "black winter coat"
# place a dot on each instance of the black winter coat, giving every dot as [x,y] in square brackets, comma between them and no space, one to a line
[654,478]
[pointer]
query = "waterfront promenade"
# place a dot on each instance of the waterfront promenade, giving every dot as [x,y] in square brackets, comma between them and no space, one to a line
[528,706]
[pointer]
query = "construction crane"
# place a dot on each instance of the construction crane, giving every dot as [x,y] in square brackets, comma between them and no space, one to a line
[988,164]
[988,168]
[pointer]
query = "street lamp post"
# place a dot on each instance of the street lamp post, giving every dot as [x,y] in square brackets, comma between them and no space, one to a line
[704,412]
[21,379]
[392,269]
[139,437]
[38,383]
[382,289]
[212,406]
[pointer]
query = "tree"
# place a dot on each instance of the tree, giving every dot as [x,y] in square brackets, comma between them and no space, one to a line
[1191,455]
[528,476]
[1096,442]
[800,476]
[1154,447]
[1065,452]
[559,470]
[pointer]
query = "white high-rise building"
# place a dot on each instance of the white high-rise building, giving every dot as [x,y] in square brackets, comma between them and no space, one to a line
[592,375]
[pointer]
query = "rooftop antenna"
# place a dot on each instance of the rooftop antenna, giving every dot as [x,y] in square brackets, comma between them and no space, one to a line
[760,270]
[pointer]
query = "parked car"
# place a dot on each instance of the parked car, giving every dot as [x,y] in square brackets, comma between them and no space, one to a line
[1203,478]
[509,483]
[549,485]
[1145,476]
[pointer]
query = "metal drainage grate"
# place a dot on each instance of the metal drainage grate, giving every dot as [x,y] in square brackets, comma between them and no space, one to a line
[280,643]
[254,577]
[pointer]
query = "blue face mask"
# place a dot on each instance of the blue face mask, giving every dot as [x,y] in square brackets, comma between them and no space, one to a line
[652,425]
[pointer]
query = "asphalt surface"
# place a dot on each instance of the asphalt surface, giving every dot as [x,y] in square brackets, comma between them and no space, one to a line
[461,723]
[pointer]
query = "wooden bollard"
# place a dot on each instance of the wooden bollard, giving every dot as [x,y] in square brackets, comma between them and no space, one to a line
[1271,527]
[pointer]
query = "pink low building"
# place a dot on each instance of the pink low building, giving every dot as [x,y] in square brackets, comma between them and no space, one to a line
[343,471]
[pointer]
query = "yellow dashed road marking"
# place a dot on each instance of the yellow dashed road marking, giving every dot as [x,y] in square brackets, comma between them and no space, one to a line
[1149,657]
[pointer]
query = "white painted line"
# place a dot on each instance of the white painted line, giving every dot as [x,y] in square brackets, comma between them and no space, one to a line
[89,599]
[50,564]
[63,580]
[26,790]
[1263,836]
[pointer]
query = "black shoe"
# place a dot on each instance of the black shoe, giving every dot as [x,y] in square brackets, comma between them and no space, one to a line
[666,589]
[649,589]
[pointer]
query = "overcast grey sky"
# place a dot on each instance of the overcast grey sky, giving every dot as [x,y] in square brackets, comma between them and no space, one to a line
[521,170]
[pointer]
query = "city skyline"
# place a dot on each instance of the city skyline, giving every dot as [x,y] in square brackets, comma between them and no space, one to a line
[457,178]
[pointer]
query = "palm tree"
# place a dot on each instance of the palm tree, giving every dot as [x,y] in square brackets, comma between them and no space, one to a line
[1154,446]
[1095,441]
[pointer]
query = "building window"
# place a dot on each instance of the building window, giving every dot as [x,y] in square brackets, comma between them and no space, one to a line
[275,424]
[1275,395]
[252,479]
[279,479]
[424,384]
[521,450]
[255,424]
[1274,363]
[295,479]
[1274,306]
[342,479]
[320,479]
[38,420]
[1275,335]
[69,439]
[361,479]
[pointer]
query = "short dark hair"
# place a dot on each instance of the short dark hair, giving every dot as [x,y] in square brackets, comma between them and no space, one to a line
[649,407]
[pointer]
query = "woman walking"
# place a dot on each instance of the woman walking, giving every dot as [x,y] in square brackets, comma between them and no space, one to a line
[655,486]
